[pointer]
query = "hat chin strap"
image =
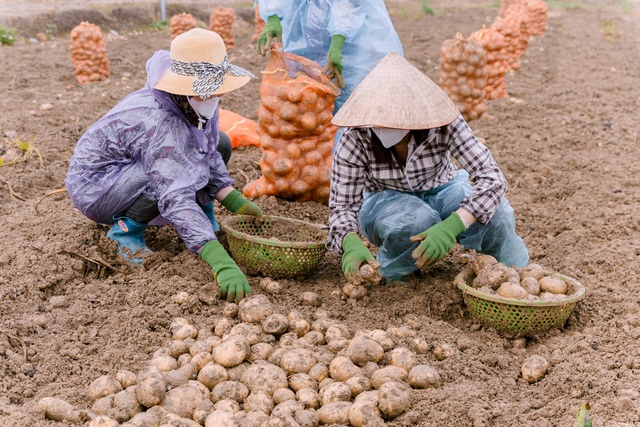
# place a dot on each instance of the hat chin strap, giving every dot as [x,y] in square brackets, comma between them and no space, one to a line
[390,137]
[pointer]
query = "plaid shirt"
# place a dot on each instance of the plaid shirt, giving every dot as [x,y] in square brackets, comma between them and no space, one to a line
[355,171]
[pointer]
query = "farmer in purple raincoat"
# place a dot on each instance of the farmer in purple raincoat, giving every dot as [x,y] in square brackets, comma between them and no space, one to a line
[157,154]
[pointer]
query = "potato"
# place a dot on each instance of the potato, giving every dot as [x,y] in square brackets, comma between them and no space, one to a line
[229,406]
[235,373]
[103,421]
[282,421]
[553,284]
[382,338]
[335,392]
[308,397]
[420,345]
[264,376]
[151,387]
[494,275]
[166,363]
[200,360]
[175,420]
[306,418]
[325,382]
[276,356]
[531,285]
[338,344]
[321,324]
[252,333]
[356,292]
[369,368]
[184,332]
[287,408]
[222,326]
[259,400]
[394,398]
[534,368]
[299,326]
[311,339]
[176,378]
[282,395]
[103,386]
[231,352]
[386,374]
[233,390]
[220,419]
[183,359]
[212,374]
[512,290]
[365,409]
[342,368]
[311,298]
[203,408]
[182,400]
[297,360]
[401,332]
[288,339]
[532,270]
[276,324]
[255,309]
[403,358]
[335,413]
[299,381]
[423,376]
[59,410]
[319,372]
[255,419]
[358,385]
[371,273]
[121,406]
[200,346]
[444,351]
[337,330]
[230,310]
[363,349]
[260,351]
[152,417]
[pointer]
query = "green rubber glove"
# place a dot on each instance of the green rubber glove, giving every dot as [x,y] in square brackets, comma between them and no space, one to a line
[237,204]
[354,254]
[333,67]
[437,240]
[272,30]
[231,280]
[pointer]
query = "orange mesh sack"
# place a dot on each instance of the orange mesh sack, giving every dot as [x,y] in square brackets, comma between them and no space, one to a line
[181,23]
[496,67]
[538,15]
[88,53]
[462,75]
[221,22]
[506,4]
[296,134]
[510,29]
[519,14]
[240,130]
[259,23]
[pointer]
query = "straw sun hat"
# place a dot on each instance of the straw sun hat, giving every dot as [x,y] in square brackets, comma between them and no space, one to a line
[200,67]
[397,95]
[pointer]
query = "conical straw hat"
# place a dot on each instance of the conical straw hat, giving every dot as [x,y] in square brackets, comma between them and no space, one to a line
[395,94]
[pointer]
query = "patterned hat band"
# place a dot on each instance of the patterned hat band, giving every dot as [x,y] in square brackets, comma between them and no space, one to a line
[209,76]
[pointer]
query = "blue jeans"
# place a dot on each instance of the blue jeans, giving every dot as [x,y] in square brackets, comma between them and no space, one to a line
[389,218]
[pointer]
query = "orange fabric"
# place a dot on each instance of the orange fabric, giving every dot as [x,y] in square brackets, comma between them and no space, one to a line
[241,131]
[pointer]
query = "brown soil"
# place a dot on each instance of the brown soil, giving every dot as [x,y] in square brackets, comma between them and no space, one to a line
[567,141]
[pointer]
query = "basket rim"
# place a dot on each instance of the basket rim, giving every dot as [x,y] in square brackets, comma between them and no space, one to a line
[228,228]
[460,281]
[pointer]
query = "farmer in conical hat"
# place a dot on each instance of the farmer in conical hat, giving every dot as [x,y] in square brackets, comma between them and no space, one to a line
[156,156]
[393,180]
[347,37]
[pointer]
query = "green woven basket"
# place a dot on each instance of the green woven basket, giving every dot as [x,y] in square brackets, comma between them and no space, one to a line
[515,317]
[274,246]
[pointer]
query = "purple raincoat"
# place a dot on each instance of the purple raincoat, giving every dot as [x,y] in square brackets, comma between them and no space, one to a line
[146,145]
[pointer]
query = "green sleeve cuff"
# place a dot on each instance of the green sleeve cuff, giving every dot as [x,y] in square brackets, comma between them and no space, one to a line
[455,224]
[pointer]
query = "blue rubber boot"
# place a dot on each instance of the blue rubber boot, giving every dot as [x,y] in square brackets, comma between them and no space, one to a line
[129,235]
[208,211]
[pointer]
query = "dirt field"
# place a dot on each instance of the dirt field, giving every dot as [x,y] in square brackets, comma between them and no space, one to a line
[567,141]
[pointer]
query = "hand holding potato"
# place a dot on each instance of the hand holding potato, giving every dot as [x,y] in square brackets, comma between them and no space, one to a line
[355,253]
[437,241]
[232,282]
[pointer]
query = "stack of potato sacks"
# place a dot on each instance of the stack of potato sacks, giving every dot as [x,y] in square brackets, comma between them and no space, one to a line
[255,367]
[88,53]
[296,134]
[221,21]
[181,23]
[504,43]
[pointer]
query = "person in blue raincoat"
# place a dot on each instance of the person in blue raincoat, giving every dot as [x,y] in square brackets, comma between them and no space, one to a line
[393,178]
[347,37]
[155,156]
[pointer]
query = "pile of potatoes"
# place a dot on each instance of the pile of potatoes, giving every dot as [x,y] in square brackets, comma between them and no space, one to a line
[256,367]
[532,282]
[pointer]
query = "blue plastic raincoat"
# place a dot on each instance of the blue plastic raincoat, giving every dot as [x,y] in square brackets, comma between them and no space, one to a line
[146,145]
[307,27]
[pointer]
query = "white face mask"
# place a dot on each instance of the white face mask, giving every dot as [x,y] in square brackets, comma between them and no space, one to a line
[206,108]
[390,137]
